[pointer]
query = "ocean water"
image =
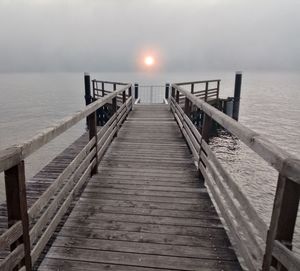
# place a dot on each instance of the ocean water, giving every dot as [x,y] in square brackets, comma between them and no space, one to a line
[270,105]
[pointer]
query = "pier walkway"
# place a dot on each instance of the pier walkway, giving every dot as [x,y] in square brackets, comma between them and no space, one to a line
[145,209]
[145,191]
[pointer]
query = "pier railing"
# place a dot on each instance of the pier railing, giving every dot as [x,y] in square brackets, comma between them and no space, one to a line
[102,88]
[205,90]
[262,247]
[29,230]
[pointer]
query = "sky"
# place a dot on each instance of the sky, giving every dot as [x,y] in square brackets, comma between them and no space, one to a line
[182,35]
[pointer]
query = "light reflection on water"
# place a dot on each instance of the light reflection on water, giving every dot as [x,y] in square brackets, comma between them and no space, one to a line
[270,105]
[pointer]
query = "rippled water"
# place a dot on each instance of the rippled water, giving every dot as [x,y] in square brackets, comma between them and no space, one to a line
[270,105]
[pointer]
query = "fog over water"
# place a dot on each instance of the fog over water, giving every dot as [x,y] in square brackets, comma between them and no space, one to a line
[100,35]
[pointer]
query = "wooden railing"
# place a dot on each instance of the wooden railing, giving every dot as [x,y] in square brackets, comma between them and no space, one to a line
[29,230]
[205,90]
[262,247]
[101,88]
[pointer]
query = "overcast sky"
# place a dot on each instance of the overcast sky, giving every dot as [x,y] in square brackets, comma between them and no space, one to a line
[183,35]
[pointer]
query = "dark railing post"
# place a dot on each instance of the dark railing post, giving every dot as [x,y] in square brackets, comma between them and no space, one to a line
[218,88]
[130,95]
[173,92]
[103,90]
[136,91]
[206,91]
[92,124]
[130,92]
[87,90]
[192,91]
[284,215]
[167,91]
[93,87]
[237,95]
[114,111]
[17,207]
[206,127]
[187,107]
[124,96]
[177,96]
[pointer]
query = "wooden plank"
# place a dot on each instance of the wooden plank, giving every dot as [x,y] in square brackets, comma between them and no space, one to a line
[143,260]
[215,240]
[58,264]
[88,209]
[210,233]
[202,193]
[157,220]
[203,206]
[145,247]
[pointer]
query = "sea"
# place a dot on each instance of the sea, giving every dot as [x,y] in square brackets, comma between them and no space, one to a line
[270,105]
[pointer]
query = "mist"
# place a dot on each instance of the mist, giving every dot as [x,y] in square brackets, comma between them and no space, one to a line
[111,35]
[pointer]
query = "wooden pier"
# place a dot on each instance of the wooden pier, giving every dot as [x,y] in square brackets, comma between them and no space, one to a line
[144,192]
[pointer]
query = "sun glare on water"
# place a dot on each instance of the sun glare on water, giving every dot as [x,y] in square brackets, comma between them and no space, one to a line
[149,60]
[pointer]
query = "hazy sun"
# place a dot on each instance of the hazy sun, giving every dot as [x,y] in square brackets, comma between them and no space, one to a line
[149,60]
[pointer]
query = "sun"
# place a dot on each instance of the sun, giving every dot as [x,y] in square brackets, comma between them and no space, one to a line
[149,60]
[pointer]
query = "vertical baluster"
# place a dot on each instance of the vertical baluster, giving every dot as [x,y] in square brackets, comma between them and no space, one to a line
[92,124]
[283,219]
[17,207]
[136,91]
[206,127]
[206,91]
[218,88]
[87,89]
[124,96]
[102,87]
[177,96]
[167,91]
[237,95]
[130,95]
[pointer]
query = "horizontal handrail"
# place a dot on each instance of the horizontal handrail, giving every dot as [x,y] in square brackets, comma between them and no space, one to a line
[197,82]
[110,82]
[287,164]
[13,155]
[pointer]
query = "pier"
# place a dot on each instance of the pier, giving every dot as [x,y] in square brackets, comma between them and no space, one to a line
[142,190]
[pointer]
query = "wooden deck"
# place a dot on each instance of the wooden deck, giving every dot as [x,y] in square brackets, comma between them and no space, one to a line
[146,209]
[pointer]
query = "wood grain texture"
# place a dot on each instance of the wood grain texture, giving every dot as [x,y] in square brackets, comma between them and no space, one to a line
[146,209]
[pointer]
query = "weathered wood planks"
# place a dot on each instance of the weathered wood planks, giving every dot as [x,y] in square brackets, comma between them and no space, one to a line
[146,209]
